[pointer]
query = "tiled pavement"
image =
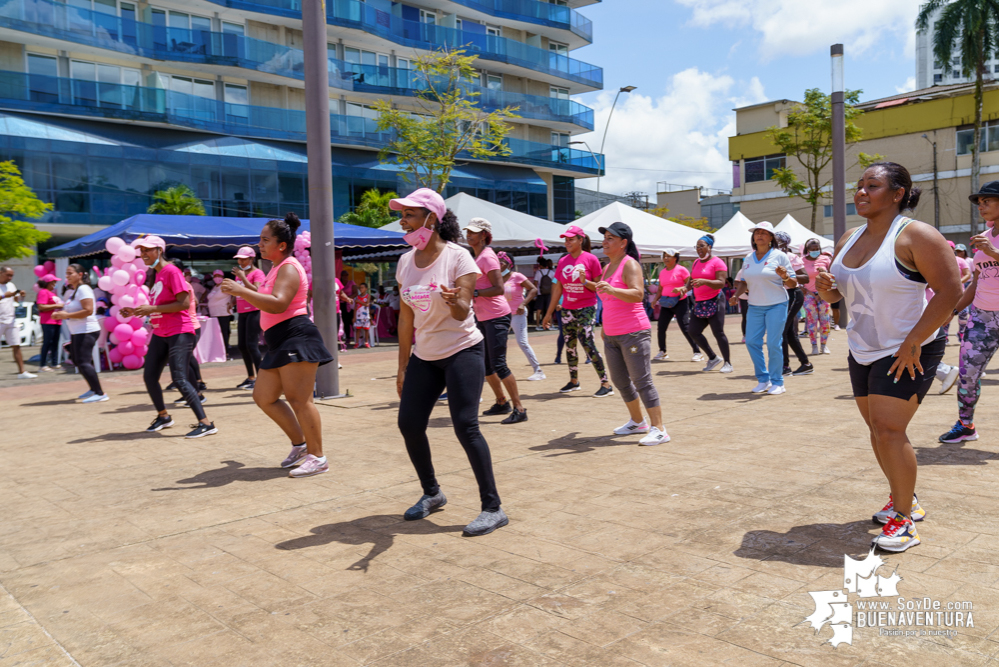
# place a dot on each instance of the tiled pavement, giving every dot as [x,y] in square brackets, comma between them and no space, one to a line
[121,548]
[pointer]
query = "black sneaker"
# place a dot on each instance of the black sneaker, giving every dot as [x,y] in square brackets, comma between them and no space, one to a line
[202,386]
[787,371]
[498,409]
[160,423]
[959,433]
[516,417]
[569,387]
[201,430]
[604,391]
[183,402]
[804,369]
[172,385]
[245,384]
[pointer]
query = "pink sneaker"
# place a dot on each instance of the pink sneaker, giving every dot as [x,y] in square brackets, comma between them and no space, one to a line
[311,465]
[298,452]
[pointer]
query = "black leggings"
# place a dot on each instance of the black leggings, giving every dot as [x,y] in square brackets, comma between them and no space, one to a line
[193,368]
[50,344]
[496,332]
[462,374]
[717,323]
[744,308]
[225,324]
[248,340]
[82,347]
[795,298]
[666,315]
[176,350]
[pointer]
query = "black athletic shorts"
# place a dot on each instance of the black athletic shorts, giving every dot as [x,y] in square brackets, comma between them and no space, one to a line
[874,378]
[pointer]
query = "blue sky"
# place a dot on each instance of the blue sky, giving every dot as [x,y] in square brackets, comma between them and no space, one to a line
[695,60]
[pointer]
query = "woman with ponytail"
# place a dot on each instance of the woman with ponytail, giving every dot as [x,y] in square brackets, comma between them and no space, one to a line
[295,348]
[880,272]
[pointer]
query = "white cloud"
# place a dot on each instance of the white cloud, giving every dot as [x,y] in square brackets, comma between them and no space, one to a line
[680,137]
[796,28]
[908,86]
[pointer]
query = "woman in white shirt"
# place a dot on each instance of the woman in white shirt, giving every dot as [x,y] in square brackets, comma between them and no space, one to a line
[220,306]
[84,329]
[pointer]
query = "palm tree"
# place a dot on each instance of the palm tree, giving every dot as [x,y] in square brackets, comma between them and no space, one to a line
[178,200]
[372,211]
[970,27]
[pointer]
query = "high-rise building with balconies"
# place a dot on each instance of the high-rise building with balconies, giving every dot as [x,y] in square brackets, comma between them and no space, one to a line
[103,102]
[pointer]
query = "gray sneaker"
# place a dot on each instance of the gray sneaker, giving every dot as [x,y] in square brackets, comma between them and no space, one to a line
[713,364]
[424,506]
[486,523]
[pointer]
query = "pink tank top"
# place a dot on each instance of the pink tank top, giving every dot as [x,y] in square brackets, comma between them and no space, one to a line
[620,317]
[298,305]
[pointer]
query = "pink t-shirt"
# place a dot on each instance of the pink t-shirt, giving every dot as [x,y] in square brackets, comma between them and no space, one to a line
[438,335]
[670,279]
[299,303]
[570,274]
[488,307]
[192,312]
[813,267]
[987,290]
[336,295]
[796,261]
[242,305]
[514,288]
[621,317]
[168,286]
[963,264]
[46,297]
[707,271]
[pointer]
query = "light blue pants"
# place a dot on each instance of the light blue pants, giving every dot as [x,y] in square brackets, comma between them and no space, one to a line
[767,320]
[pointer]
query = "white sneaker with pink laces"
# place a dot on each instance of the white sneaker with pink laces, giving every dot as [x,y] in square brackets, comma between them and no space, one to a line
[312,465]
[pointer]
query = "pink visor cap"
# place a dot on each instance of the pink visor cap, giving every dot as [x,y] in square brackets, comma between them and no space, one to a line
[573,230]
[246,252]
[49,278]
[422,198]
[149,241]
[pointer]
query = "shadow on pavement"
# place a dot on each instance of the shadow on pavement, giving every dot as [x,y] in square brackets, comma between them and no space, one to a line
[234,471]
[952,454]
[746,396]
[359,532]
[817,544]
[572,445]
[116,437]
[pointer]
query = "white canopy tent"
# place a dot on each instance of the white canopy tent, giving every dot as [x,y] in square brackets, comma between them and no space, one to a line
[652,233]
[800,234]
[734,237]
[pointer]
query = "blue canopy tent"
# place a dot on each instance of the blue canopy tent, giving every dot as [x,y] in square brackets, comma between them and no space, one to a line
[204,236]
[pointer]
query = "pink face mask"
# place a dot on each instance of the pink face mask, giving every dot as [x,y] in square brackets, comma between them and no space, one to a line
[218,280]
[419,238]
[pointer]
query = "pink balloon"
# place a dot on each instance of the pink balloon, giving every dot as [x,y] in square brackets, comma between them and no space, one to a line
[49,266]
[123,332]
[114,355]
[109,323]
[114,339]
[39,271]
[141,299]
[104,282]
[116,262]
[115,299]
[121,318]
[131,290]
[141,350]
[120,277]
[139,278]
[126,253]
[125,301]
[132,362]
[113,245]
[144,290]
[127,348]
[140,337]
[139,264]
[114,314]
[136,324]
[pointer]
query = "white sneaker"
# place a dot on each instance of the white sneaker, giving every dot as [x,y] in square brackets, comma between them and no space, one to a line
[776,390]
[727,368]
[697,357]
[825,349]
[713,364]
[538,375]
[660,356]
[948,382]
[815,350]
[88,394]
[761,388]
[26,376]
[96,398]
[632,427]
[654,437]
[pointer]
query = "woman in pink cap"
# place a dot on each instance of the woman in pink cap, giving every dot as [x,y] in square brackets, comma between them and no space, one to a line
[576,278]
[295,348]
[248,315]
[515,284]
[47,303]
[437,280]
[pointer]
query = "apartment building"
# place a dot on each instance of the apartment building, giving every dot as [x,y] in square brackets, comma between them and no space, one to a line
[903,128]
[103,102]
[932,72]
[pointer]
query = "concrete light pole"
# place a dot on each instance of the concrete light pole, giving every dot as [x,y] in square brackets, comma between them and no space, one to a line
[623,89]
[317,128]
[838,143]
[936,191]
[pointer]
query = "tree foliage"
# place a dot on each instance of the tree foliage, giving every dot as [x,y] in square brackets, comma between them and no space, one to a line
[808,139]
[372,211]
[969,28]
[178,200]
[685,220]
[448,124]
[18,238]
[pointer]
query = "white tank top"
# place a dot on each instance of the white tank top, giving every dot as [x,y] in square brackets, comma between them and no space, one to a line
[884,298]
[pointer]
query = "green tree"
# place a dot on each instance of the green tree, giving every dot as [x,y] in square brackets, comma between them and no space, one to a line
[971,29]
[448,124]
[808,139]
[18,238]
[685,220]
[178,200]
[372,211]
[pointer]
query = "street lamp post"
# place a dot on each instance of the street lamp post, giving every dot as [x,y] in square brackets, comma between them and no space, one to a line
[936,191]
[600,166]
[623,89]
[838,143]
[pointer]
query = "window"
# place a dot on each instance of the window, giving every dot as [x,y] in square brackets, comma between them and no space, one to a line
[428,17]
[494,82]
[493,30]
[956,74]
[560,139]
[937,78]
[403,63]
[97,84]
[851,209]
[233,29]
[189,86]
[558,93]
[762,168]
[558,48]
[989,140]
[459,24]
[237,99]
[42,83]
[362,57]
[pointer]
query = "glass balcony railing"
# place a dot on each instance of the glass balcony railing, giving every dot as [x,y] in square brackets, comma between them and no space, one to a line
[75,97]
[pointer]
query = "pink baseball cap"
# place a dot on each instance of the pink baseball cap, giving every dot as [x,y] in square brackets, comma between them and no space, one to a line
[422,198]
[951,243]
[149,241]
[49,278]
[246,252]
[573,230]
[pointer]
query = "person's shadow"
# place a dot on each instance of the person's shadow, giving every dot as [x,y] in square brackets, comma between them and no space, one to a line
[234,471]
[570,443]
[952,454]
[360,531]
[817,544]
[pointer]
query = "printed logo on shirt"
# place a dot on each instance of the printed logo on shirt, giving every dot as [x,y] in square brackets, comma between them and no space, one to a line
[418,296]
[573,272]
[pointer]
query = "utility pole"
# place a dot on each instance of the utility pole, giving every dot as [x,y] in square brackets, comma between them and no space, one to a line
[317,128]
[936,189]
[838,143]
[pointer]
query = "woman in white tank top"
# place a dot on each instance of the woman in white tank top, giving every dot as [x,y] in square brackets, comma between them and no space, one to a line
[880,272]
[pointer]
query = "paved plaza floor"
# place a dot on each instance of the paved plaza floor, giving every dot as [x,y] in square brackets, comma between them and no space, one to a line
[124,548]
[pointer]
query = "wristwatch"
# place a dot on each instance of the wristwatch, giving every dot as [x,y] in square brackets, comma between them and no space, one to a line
[475,293]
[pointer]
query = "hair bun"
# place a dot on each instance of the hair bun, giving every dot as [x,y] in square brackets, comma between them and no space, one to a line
[293,222]
[913,199]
